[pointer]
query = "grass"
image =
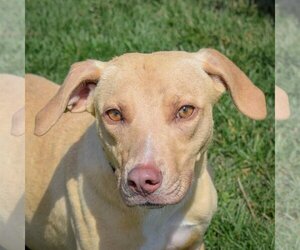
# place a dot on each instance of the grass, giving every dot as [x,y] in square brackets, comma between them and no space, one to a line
[59,33]
[288,132]
[12,34]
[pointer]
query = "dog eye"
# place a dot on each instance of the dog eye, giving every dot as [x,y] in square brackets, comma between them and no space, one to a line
[115,115]
[185,111]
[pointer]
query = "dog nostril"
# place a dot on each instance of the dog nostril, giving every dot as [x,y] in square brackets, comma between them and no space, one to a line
[131,184]
[150,182]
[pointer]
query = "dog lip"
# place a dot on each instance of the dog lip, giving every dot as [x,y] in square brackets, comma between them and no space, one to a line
[112,167]
[156,201]
[147,204]
[152,205]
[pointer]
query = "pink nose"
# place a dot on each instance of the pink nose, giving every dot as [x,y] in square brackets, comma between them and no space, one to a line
[144,179]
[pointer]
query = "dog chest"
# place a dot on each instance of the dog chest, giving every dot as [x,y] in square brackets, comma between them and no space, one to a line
[168,232]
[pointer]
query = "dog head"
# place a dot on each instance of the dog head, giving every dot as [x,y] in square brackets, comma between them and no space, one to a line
[153,115]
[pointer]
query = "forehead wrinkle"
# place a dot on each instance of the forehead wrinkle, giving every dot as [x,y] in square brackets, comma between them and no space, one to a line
[149,79]
[109,71]
[150,70]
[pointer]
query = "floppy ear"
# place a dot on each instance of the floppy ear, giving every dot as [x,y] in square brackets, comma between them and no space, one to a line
[282,107]
[75,95]
[249,99]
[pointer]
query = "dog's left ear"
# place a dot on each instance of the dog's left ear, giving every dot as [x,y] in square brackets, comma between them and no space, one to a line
[249,99]
[75,94]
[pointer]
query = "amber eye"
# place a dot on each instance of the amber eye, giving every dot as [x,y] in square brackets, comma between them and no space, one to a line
[185,111]
[115,115]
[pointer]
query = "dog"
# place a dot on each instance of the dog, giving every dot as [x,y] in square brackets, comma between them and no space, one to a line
[12,162]
[130,171]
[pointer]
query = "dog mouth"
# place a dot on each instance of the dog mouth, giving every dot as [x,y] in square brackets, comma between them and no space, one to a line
[151,205]
[145,202]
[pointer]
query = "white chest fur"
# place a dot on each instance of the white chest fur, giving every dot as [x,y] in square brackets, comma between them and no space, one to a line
[182,235]
[163,229]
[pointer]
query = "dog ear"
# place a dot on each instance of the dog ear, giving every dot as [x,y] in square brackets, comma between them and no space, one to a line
[249,99]
[282,107]
[75,94]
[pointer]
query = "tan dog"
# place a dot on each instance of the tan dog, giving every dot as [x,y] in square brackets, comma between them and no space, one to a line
[90,185]
[12,162]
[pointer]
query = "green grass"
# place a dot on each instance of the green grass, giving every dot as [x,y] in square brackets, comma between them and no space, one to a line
[12,34]
[59,33]
[288,134]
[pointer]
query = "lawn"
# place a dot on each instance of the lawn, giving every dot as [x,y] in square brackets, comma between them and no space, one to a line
[59,33]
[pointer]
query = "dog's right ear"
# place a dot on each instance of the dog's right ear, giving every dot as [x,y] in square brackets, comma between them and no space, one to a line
[75,95]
